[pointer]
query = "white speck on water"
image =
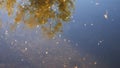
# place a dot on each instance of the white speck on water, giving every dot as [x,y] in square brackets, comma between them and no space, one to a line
[57,43]
[106,15]
[53,38]
[95,62]
[26,49]
[60,36]
[99,43]
[38,26]
[69,41]
[76,67]
[15,40]
[85,25]
[64,40]
[91,24]
[97,3]
[6,32]
[69,58]
[46,52]
[26,42]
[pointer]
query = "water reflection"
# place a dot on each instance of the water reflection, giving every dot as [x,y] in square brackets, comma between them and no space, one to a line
[28,48]
[30,51]
[49,14]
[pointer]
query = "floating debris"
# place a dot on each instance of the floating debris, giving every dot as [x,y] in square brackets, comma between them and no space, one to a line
[6,32]
[26,42]
[46,52]
[60,36]
[95,62]
[26,49]
[76,66]
[57,43]
[97,3]
[91,24]
[106,14]
[85,25]
[64,40]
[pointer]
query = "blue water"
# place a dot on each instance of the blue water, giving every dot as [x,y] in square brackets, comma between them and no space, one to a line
[97,28]
[89,32]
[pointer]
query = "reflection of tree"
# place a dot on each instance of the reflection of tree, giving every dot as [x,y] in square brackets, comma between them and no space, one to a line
[48,13]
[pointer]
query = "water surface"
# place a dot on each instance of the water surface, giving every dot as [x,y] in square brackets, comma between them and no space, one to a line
[59,34]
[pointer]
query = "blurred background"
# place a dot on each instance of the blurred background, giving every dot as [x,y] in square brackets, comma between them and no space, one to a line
[59,34]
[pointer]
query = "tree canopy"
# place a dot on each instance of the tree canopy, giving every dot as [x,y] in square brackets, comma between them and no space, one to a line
[49,14]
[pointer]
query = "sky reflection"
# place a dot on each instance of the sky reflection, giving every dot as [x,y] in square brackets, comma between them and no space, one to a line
[83,34]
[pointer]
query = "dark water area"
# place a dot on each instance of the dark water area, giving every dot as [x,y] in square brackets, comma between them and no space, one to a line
[90,28]
[91,39]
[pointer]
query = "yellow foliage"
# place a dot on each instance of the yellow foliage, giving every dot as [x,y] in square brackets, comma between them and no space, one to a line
[41,12]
